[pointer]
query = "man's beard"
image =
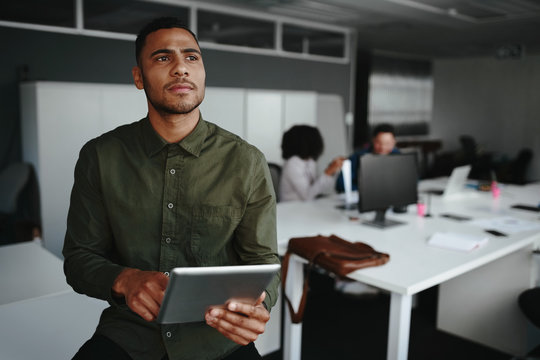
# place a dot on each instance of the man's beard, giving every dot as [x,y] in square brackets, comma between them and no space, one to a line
[177,107]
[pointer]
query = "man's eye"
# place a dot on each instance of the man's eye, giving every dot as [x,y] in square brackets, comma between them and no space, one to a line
[162,58]
[191,58]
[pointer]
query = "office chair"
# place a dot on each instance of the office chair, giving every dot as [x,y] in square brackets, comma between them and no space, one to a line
[275,172]
[529,303]
[19,202]
[12,180]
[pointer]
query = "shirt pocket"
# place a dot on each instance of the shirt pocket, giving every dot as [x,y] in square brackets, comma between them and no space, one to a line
[213,232]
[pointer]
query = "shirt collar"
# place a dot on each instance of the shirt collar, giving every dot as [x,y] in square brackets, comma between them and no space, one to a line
[192,143]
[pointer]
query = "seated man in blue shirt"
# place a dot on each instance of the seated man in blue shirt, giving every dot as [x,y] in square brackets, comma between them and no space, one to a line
[383,142]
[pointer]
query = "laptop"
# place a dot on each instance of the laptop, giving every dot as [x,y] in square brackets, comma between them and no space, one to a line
[456,182]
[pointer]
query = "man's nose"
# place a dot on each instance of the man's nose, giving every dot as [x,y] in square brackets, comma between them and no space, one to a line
[179,68]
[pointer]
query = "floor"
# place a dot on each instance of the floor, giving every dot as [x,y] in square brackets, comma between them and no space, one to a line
[339,326]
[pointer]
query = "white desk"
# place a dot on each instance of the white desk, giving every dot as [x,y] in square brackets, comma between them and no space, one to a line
[414,266]
[29,271]
[41,317]
[48,327]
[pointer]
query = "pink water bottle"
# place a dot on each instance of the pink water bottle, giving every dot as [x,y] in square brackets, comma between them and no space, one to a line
[495,190]
[420,208]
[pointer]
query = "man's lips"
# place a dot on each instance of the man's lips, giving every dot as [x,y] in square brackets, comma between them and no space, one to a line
[180,87]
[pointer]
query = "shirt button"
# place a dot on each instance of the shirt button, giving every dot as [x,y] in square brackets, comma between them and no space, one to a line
[170,205]
[172,171]
[168,240]
[168,334]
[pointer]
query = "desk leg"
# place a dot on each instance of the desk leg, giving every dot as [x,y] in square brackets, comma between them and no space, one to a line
[399,327]
[292,333]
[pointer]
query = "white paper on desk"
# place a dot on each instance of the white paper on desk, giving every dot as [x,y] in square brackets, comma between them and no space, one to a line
[457,241]
[507,224]
[347,181]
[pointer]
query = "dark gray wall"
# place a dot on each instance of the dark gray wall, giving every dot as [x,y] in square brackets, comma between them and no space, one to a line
[60,57]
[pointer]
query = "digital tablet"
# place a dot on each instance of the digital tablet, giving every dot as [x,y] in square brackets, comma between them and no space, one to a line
[191,290]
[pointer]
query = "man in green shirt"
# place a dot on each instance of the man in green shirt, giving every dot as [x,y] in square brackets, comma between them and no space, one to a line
[169,190]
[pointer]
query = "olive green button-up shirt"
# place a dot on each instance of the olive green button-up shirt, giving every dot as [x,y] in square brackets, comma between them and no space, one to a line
[140,202]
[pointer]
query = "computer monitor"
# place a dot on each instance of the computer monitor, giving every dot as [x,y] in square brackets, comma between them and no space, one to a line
[386,181]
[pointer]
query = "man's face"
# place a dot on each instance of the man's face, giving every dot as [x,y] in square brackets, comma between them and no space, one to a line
[383,143]
[171,71]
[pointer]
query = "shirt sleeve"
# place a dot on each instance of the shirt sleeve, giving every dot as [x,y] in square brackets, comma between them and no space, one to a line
[256,235]
[88,246]
[298,177]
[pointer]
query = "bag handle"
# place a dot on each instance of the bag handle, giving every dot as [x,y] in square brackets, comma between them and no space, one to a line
[296,316]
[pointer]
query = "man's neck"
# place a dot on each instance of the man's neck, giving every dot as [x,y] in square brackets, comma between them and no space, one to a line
[173,127]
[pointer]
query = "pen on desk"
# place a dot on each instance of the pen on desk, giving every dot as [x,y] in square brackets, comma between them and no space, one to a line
[495,232]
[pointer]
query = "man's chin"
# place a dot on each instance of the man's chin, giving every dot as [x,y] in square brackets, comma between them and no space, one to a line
[178,110]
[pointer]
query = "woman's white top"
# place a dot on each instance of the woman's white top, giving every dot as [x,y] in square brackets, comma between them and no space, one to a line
[299,180]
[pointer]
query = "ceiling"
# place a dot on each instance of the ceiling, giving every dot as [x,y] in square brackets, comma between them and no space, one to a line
[422,28]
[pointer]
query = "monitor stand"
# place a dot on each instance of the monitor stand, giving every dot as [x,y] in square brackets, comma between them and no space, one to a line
[380,221]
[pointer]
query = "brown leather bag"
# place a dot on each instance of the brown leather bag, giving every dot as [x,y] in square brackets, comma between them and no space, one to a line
[332,253]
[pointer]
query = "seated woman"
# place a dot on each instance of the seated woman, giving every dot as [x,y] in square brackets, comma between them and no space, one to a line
[301,146]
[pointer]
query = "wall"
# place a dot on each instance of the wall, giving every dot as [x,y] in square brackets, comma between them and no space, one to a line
[61,57]
[495,101]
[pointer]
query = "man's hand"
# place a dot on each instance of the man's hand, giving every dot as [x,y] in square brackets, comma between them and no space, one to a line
[239,322]
[143,291]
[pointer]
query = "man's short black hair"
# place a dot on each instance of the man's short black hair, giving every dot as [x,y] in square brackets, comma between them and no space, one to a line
[383,128]
[303,141]
[168,22]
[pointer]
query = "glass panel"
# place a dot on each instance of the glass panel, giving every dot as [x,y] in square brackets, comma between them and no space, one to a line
[401,93]
[227,29]
[127,16]
[311,41]
[50,12]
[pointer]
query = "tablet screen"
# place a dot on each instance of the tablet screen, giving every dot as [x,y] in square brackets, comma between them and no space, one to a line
[191,290]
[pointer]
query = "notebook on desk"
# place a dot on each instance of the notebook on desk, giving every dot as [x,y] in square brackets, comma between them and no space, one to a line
[456,182]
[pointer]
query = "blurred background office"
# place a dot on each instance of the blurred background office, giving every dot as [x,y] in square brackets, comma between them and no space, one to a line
[457,79]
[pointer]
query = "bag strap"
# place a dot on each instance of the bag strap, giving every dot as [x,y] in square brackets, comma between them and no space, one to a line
[296,316]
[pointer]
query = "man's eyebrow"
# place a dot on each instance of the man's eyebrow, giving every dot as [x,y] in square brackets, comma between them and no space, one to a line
[191,50]
[170,51]
[161,51]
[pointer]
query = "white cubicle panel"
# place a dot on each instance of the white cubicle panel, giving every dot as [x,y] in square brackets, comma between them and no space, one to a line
[299,107]
[66,116]
[331,123]
[264,122]
[121,104]
[57,119]
[225,107]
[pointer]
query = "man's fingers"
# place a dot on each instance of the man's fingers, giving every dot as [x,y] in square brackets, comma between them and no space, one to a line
[257,312]
[236,327]
[144,291]
[145,307]
[261,298]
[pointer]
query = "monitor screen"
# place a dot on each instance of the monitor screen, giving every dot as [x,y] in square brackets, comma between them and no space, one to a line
[386,181]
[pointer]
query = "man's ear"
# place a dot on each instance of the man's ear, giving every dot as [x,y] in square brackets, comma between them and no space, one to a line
[137,77]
